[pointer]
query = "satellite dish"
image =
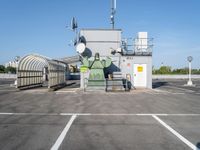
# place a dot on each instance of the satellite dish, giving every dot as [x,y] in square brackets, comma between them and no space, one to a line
[119,50]
[17,58]
[74,24]
[80,48]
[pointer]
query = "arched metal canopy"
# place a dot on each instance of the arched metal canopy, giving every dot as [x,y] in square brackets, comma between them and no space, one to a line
[33,68]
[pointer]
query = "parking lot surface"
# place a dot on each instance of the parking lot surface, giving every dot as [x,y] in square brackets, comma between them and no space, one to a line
[166,117]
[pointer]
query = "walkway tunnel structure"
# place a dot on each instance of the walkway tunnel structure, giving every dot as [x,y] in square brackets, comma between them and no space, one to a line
[36,70]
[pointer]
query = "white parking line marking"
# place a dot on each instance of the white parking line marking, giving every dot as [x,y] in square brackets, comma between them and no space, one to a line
[161,91]
[5,85]
[6,113]
[8,90]
[183,89]
[152,114]
[178,93]
[64,92]
[149,92]
[92,114]
[192,146]
[164,92]
[26,114]
[63,134]
[78,114]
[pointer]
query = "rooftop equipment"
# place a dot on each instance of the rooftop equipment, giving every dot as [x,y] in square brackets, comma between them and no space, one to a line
[96,72]
[113,11]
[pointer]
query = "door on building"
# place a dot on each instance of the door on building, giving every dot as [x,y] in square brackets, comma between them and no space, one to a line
[140,75]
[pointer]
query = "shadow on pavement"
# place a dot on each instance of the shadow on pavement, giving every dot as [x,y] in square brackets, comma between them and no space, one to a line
[198,145]
[159,84]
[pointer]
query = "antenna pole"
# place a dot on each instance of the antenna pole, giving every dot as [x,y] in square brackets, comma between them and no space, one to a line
[113,11]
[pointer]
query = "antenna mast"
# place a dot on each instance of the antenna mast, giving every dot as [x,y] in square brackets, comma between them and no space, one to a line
[74,27]
[113,11]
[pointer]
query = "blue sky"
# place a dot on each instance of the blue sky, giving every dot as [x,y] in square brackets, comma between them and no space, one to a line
[39,26]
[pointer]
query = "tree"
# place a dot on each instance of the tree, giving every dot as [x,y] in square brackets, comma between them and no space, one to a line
[10,70]
[168,70]
[165,70]
[180,71]
[2,69]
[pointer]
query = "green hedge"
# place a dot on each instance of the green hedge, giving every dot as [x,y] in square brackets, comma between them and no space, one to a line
[4,69]
[168,70]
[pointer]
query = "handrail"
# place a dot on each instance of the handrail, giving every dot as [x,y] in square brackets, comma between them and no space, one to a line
[86,83]
[107,84]
[124,84]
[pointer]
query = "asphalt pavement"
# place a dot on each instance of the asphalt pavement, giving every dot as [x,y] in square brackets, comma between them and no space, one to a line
[165,118]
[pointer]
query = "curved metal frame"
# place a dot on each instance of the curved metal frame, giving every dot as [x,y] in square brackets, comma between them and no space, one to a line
[30,71]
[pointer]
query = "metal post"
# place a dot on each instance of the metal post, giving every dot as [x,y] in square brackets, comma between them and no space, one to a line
[113,22]
[190,80]
[113,11]
[189,71]
[189,83]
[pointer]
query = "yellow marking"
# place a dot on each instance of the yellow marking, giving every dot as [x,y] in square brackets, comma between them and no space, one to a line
[83,69]
[140,69]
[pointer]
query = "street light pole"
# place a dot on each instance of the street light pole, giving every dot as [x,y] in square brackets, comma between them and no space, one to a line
[189,83]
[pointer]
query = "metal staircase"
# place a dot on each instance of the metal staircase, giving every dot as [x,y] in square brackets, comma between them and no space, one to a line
[117,83]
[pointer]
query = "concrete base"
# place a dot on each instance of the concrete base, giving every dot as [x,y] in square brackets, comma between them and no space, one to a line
[189,83]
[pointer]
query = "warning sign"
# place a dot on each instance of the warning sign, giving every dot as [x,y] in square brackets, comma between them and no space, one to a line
[84,69]
[140,69]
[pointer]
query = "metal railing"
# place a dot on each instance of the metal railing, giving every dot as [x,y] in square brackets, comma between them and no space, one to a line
[108,84]
[114,85]
[86,81]
[137,46]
